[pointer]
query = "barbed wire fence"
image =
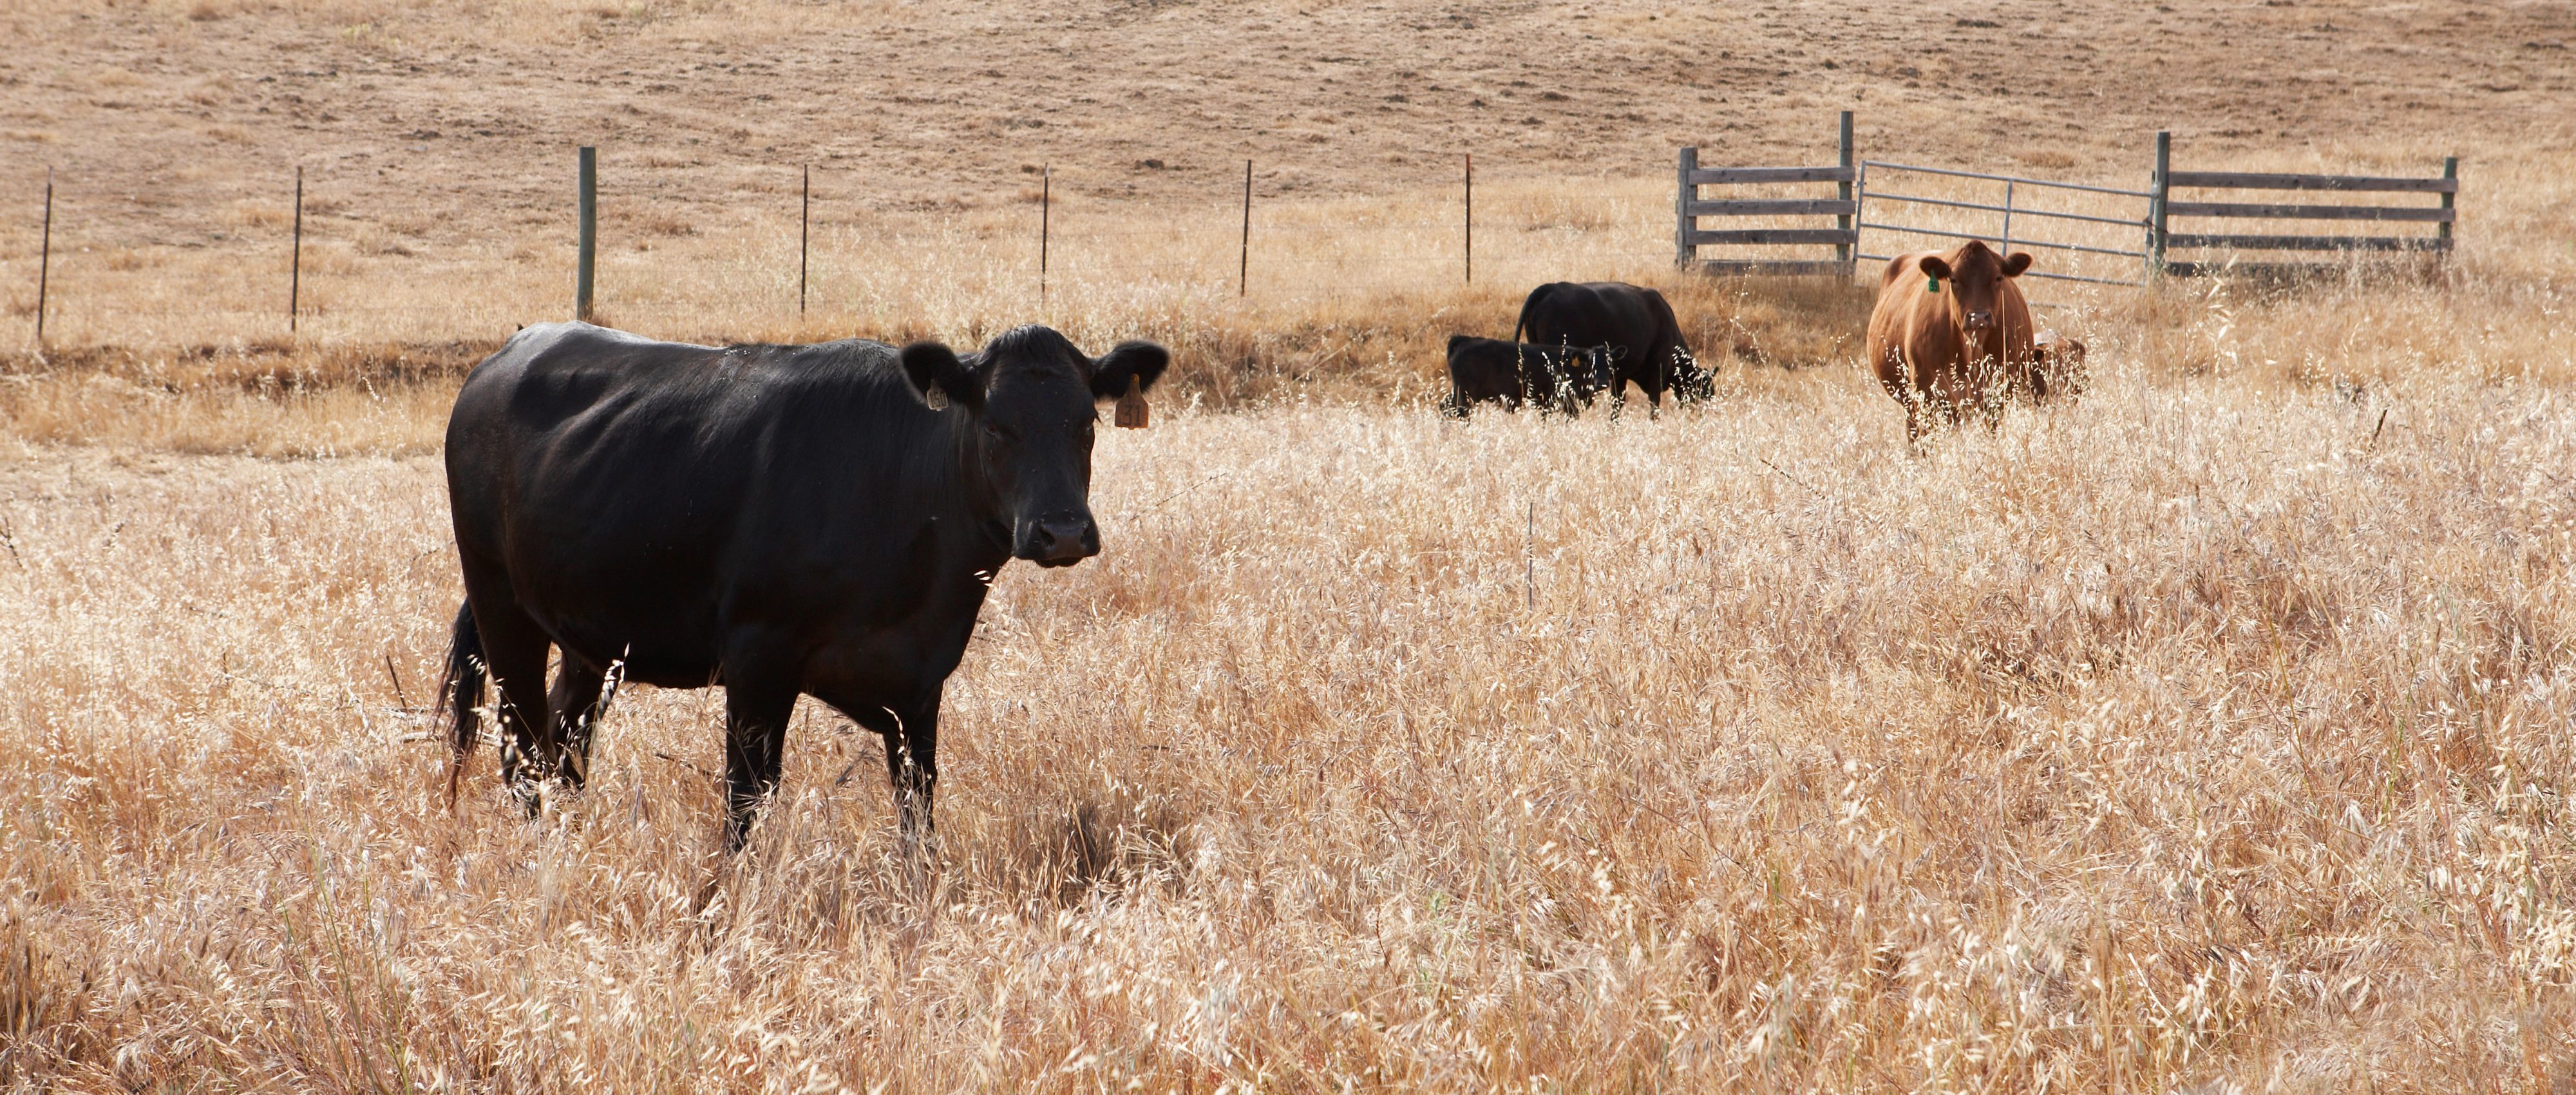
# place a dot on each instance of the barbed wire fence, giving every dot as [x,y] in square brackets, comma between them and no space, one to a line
[265,274]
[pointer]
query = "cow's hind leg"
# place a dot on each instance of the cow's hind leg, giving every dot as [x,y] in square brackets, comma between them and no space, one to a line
[515,649]
[576,708]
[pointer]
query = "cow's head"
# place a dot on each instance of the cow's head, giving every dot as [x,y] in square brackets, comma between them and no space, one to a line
[2057,368]
[1692,381]
[1032,399]
[1973,277]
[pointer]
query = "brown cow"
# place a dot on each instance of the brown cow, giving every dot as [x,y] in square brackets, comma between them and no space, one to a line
[2057,367]
[1951,330]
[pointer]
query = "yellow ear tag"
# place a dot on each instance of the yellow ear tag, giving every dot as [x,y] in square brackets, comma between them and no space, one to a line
[1132,412]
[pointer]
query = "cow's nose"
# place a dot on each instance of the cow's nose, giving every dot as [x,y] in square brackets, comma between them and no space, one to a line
[1062,540]
[1978,321]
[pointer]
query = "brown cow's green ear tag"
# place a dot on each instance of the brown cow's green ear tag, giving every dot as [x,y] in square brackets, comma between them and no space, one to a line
[1932,285]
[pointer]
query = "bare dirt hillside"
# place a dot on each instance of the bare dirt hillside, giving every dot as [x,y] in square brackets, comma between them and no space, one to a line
[435,120]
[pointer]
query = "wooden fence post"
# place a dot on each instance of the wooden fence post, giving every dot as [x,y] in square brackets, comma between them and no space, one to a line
[2450,170]
[295,269]
[582,277]
[45,260]
[1243,260]
[2162,188]
[1843,191]
[1471,218]
[1684,223]
[804,236]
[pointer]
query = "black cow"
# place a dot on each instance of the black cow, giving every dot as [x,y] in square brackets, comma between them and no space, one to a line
[780,520]
[1490,370]
[1635,319]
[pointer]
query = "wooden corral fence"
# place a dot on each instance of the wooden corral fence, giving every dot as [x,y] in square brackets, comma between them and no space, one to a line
[2167,180]
[2154,208]
[1843,237]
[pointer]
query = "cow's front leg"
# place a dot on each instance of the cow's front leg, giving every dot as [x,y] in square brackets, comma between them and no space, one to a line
[758,701]
[916,771]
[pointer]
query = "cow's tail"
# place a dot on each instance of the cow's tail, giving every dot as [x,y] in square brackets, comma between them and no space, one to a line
[1527,306]
[462,687]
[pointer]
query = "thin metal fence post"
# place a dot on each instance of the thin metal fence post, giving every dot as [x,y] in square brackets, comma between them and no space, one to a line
[1243,259]
[295,269]
[582,276]
[45,259]
[1843,251]
[1683,223]
[1046,212]
[1471,218]
[2156,205]
[2007,237]
[1860,201]
[804,236]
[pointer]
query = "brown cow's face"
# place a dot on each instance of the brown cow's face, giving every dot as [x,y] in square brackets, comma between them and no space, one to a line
[1973,277]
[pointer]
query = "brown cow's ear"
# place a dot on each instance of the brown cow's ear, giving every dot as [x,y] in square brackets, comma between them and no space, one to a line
[2014,265]
[1142,361]
[1934,268]
[936,373]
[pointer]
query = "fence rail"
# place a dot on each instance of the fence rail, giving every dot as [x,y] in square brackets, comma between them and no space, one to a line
[2308,243]
[2242,180]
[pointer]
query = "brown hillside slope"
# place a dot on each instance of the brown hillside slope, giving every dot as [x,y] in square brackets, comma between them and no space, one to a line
[159,110]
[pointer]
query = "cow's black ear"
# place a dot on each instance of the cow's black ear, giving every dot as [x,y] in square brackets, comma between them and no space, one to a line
[1933,267]
[1143,361]
[933,368]
[2014,265]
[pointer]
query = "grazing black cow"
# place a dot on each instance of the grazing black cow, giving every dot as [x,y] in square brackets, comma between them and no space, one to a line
[1635,319]
[1490,370]
[781,520]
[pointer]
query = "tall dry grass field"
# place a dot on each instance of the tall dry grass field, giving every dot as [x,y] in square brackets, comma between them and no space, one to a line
[2210,734]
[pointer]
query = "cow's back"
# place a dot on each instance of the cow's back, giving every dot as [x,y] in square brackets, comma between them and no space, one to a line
[570,417]
[640,498]
[1635,319]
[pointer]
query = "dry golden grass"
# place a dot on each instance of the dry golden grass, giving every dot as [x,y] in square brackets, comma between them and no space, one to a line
[2211,734]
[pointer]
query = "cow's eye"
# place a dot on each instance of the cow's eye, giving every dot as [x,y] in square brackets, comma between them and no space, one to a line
[997,431]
